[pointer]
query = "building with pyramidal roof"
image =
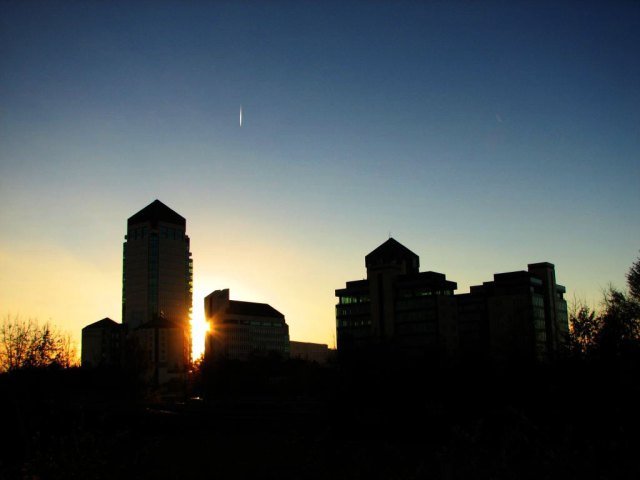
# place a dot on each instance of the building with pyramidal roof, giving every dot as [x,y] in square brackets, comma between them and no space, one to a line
[519,315]
[157,272]
[397,306]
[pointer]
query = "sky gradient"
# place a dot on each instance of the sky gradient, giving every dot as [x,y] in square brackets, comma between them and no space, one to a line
[482,136]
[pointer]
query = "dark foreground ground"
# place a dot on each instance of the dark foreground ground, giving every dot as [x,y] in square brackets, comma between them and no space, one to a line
[295,420]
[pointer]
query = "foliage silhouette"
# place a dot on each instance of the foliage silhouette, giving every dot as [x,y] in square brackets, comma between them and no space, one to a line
[614,330]
[585,325]
[29,344]
[620,324]
[633,280]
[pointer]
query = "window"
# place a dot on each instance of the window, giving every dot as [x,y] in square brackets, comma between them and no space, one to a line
[350,299]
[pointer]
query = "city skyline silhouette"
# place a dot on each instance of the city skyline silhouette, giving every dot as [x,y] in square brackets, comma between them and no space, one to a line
[448,192]
[484,138]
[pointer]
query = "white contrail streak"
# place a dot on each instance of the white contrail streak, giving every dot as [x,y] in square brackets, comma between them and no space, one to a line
[240,115]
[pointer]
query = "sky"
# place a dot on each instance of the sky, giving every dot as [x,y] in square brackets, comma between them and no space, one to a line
[481,135]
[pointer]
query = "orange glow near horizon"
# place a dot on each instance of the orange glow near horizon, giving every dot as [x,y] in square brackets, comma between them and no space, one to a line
[203,286]
[199,329]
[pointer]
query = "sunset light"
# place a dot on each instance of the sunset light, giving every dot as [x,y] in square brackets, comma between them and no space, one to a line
[416,255]
[199,329]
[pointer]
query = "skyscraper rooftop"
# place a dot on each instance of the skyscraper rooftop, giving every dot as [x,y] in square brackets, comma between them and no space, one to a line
[156,212]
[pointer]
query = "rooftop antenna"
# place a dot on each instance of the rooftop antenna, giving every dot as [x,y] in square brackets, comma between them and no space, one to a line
[389,234]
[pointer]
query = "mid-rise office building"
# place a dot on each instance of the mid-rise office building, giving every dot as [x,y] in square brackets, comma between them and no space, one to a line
[157,271]
[239,330]
[397,306]
[519,314]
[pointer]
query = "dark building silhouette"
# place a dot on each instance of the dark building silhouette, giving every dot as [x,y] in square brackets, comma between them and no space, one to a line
[162,345]
[311,352]
[102,344]
[411,312]
[239,330]
[157,271]
[517,315]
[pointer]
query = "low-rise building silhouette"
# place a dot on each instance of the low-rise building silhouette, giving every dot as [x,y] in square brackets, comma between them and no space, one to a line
[102,344]
[311,352]
[161,344]
[239,330]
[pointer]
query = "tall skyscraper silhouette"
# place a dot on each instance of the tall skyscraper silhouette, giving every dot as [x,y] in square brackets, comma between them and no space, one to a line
[157,269]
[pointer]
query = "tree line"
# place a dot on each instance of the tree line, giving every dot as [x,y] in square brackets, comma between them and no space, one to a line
[28,344]
[611,332]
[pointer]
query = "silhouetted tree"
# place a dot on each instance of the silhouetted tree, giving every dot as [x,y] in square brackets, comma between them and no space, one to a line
[615,328]
[29,344]
[584,327]
[633,280]
[619,323]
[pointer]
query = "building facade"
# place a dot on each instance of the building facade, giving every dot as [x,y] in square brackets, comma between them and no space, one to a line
[161,345]
[157,271]
[519,315]
[102,344]
[239,330]
[411,312]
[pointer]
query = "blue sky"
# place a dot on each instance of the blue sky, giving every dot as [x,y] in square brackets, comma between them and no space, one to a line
[483,136]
